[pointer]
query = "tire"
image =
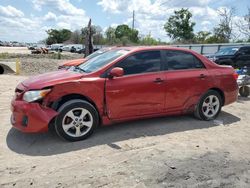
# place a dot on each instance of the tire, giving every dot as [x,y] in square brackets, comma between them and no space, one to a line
[77,120]
[1,70]
[244,91]
[209,106]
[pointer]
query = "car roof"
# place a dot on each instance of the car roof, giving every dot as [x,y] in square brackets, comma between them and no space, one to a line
[245,47]
[141,48]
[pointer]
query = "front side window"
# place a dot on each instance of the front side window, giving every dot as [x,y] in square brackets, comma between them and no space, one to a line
[178,60]
[142,62]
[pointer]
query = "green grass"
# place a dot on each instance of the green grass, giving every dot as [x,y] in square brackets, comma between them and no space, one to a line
[4,55]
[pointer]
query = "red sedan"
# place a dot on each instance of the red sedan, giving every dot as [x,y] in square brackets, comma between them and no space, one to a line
[123,84]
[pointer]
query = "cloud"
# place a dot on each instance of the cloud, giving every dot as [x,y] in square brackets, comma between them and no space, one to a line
[50,17]
[61,6]
[68,16]
[21,29]
[59,14]
[10,11]
[16,26]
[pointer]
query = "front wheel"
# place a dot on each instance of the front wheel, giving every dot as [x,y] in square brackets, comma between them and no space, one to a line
[209,106]
[77,120]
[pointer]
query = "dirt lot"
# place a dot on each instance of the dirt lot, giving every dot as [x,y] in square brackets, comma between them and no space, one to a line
[35,63]
[18,50]
[162,152]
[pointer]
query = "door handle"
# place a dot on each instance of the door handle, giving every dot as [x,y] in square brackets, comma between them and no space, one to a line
[202,76]
[158,80]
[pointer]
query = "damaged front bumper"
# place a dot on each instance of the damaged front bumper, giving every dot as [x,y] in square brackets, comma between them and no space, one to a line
[31,117]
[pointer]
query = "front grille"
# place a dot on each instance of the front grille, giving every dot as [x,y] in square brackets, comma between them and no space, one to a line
[18,93]
[18,90]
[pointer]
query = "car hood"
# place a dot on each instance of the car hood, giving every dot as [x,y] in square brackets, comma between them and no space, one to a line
[74,62]
[219,56]
[50,79]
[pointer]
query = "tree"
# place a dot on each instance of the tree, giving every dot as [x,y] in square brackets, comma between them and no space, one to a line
[76,37]
[96,32]
[202,36]
[98,36]
[110,35]
[149,40]
[124,31]
[244,27]
[179,26]
[223,32]
[58,36]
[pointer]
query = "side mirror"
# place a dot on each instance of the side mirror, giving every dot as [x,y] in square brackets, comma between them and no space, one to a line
[116,72]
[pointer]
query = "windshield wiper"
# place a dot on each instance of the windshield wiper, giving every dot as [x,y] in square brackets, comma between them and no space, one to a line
[78,68]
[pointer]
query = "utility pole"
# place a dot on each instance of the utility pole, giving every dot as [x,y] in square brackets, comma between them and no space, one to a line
[133,23]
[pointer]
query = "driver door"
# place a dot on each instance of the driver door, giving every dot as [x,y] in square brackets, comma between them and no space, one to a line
[140,91]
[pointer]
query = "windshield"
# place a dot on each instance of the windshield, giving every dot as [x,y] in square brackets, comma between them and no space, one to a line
[227,51]
[100,61]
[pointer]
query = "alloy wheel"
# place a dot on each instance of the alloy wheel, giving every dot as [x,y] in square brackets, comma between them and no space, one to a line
[211,106]
[77,122]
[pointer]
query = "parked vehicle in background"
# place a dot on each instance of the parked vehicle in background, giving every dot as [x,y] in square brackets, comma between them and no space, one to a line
[77,62]
[237,57]
[56,47]
[36,46]
[66,48]
[123,84]
[73,48]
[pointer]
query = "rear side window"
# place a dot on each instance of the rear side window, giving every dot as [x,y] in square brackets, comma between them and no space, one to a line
[178,60]
[141,62]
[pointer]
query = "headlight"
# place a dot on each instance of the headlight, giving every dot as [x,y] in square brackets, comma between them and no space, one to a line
[31,96]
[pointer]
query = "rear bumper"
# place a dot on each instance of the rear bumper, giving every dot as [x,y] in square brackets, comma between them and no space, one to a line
[231,96]
[31,117]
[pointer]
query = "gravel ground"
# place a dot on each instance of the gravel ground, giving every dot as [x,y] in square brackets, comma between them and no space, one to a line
[37,64]
[161,152]
[32,64]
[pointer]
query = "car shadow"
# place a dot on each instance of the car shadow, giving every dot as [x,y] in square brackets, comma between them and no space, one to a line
[50,144]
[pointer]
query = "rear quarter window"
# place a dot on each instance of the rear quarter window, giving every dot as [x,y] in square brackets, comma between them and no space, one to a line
[178,60]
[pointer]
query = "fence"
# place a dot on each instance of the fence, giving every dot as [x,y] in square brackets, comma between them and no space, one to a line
[210,48]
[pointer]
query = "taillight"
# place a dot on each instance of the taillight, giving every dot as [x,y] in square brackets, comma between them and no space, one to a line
[235,75]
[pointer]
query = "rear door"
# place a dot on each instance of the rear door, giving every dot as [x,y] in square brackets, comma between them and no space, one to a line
[186,79]
[140,91]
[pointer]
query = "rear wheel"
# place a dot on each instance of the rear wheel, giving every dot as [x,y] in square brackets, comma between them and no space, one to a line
[209,106]
[77,120]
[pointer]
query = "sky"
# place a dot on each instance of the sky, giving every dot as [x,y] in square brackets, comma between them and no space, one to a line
[28,20]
